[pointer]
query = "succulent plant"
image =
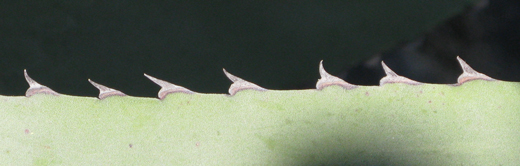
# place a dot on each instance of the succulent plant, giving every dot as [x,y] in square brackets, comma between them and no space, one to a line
[400,122]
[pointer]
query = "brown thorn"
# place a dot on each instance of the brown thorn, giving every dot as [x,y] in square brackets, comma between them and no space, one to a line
[469,73]
[105,92]
[167,88]
[391,77]
[36,88]
[240,84]
[329,80]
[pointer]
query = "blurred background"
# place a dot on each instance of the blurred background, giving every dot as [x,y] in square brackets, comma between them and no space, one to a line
[275,44]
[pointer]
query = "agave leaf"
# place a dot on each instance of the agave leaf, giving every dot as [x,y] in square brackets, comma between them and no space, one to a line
[475,123]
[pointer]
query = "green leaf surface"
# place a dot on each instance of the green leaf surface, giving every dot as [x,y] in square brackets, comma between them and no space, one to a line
[476,123]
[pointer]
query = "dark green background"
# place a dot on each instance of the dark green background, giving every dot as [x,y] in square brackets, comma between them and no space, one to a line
[275,44]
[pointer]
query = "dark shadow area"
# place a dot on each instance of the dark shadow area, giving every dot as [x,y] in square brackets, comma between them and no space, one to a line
[277,45]
[486,36]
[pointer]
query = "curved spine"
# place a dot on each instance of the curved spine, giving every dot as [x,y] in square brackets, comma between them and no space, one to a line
[329,80]
[36,88]
[105,92]
[167,87]
[240,84]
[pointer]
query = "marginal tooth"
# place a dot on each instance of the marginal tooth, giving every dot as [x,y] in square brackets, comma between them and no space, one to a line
[329,80]
[391,77]
[469,74]
[105,92]
[240,84]
[167,88]
[36,88]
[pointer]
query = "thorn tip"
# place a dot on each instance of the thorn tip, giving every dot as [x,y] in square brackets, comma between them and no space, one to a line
[329,80]
[469,73]
[240,84]
[391,77]
[105,92]
[36,88]
[167,87]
